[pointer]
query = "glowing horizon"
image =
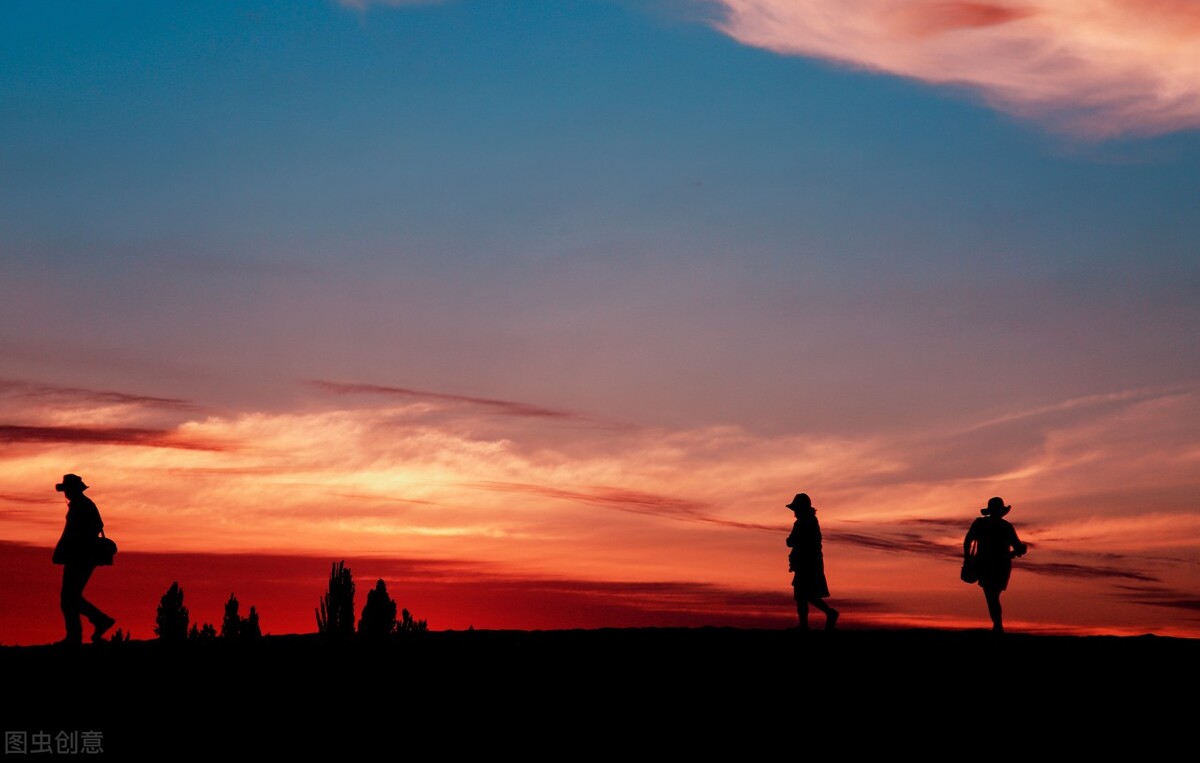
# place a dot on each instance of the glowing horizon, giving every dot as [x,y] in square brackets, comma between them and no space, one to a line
[432,478]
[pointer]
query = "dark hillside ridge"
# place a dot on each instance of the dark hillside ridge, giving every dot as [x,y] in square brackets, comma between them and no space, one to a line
[681,687]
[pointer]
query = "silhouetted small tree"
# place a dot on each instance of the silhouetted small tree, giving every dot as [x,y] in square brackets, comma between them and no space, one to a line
[250,628]
[379,613]
[171,624]
[335,618]
[231,626]
[408,625]
[119,637]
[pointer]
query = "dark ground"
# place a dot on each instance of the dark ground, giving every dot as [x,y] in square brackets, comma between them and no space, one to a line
[614,691]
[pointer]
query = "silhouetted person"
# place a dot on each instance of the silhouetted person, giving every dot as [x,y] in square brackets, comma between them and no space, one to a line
[991,544]
[76,552]
[807,563]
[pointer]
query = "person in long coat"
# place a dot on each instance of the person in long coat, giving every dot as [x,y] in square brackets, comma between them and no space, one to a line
[807,563]
[990,546]
[76,553]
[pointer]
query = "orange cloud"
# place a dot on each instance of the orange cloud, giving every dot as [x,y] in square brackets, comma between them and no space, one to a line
[1098,68]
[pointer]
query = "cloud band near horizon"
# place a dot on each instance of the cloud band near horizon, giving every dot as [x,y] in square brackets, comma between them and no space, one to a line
[437,476]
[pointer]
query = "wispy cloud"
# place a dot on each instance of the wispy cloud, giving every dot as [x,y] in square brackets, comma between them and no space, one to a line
[499,407]
[1078,404]
[1058,437]
[1069,570]
[153,438]
[934,543]
[26,498]
[38,412]
[1161,596]
[907,543]
[27,391]
[1098,68]
[634,501]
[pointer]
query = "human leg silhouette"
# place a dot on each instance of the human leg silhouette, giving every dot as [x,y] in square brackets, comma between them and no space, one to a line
[993,604]
[831,614]
[75,579]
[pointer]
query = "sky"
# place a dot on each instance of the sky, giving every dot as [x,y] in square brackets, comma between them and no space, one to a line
[542,311]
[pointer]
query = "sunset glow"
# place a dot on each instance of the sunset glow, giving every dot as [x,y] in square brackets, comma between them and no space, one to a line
[666,515]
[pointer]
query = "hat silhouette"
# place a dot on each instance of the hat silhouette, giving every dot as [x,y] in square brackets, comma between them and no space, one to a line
[801,501]
[995,508]
[70,481]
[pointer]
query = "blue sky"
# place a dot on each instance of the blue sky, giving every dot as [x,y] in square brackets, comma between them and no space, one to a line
[514,157]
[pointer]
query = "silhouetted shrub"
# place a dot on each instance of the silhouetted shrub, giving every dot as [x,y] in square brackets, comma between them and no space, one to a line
[335,618]
[204,633]
[236,626]
[379,613]
[119,637]
[171,624]
[408,625]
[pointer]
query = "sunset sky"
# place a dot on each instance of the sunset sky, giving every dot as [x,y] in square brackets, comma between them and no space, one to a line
[542,311]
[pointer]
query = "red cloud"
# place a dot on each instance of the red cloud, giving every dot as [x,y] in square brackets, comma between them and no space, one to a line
[154,438]
[935,18]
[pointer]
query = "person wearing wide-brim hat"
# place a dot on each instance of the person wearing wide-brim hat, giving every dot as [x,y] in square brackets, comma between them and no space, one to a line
[990,546]
[807,563]
[76,551]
